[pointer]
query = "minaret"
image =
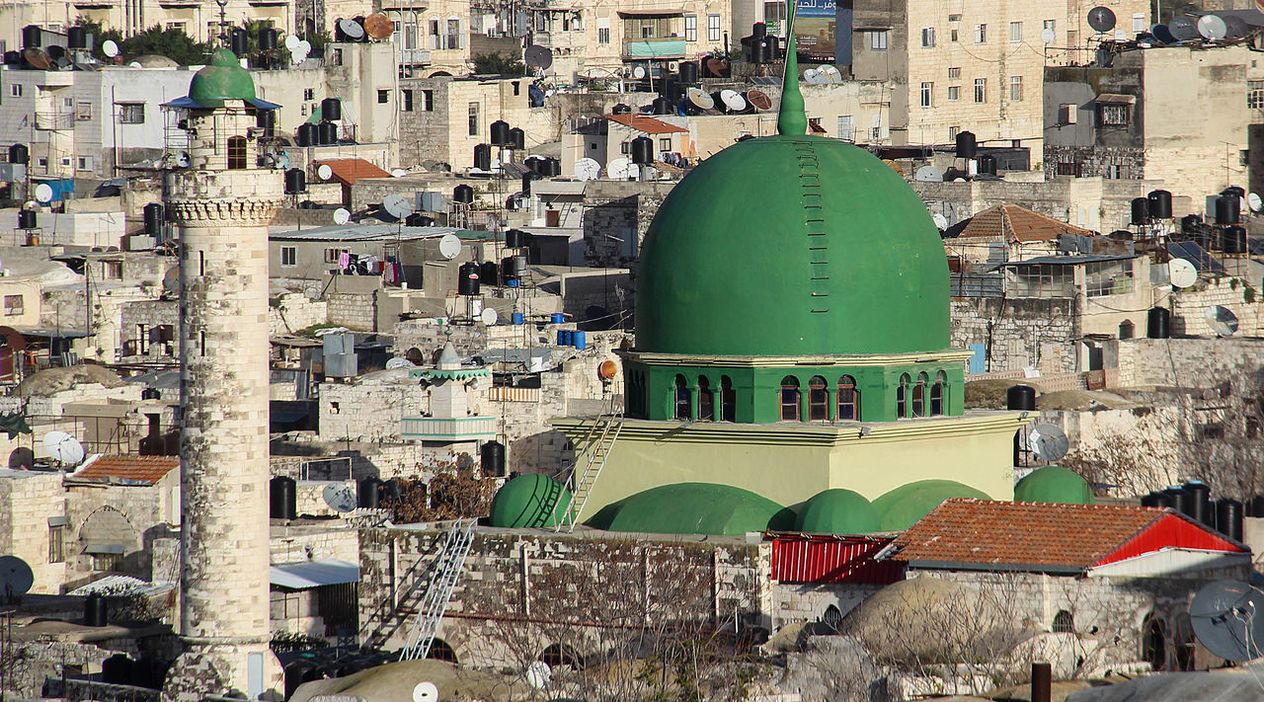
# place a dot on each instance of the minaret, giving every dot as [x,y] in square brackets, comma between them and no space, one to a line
[223,203]
[792,118]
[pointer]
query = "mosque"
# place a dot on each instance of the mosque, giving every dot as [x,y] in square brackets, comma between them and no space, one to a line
[792,366]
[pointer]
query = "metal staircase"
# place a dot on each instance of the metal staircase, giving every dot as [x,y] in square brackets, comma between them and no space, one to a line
[447,569]
[601,437]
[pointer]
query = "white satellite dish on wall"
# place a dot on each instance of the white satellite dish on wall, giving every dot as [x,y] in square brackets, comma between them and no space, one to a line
[1255,202]
[587,169]
[488,316]
[324,171]
[291,41]
[63,448]
[621,168]
[110,48]
[1048,35]
[44,193]
[1181,273]
[425,692]
[340,498]
[450,246]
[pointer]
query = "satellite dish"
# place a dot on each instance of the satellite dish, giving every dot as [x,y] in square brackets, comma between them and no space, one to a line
[1255,202]
[352,29]
[759,100]
[399,173]
[536,56]
[342,215]
[291,41]
[1235,27]
[811,76]
[1223,615]
[135,64]
[378,26]
[449,246]
[1162,34]
[397,206]
[620,169]
[44,193]
[182,159]
[538,675]
[1047,442]
[1048,35]
[733,100]
[341,498]
[1101,19]
[21,458]
[324,171]
[63,448]
[1221,320]
[830,73]
[397,363]
[488,316]
[1181,273]
[638,72]
[929,174]
[699,99]
[301,51]
[282,160]
[941,222]
[110,48]
[1212,27]
[1182,29]
[425,692]
[16,577]
[587,169]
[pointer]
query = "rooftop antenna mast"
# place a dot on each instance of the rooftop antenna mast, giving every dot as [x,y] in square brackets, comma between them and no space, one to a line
[223,22]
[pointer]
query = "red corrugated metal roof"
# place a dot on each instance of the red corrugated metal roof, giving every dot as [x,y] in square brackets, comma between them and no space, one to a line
[143,470]
[348,170]
[1171,531]
[649,125]
[832,559]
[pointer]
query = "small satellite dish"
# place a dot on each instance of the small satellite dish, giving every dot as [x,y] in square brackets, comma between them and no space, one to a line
[941,222]
[21,458]
[324,171]
[1236,27]
[1212,28]
[1047,442]
[1048,35]
[929,174]
[1221,320]
[342,215]
[352,29]
[282,160]
[63,448]
[1162,34]
[639,72]
[449,246]
[1181,273]
[397,206]
[587,169]
[620,169]
[378,26]
[399,173]
[488,317]
[341,498]
[699,99]
[301,51]
[811,76]
[425,692]
[1255,202]
[398,363]
[182,159]
[830,73]
[538,675]
[733,100]
[1101,19]
[1182,28]
[1223,615]
[759,100]
[44,193]
[135,64]
[291,41]
[110,48]
[536,56]
[16,577]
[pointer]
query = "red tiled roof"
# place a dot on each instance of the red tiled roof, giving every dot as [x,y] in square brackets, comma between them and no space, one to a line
[1014,223]
[649,125]
[145,470]
[348,170]
[1047,537]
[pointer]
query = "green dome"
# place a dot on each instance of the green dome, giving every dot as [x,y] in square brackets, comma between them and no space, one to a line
[693,508]
[224,79]
[1054,484]
[531,500]
[837,511]
[792,245]
[900,508]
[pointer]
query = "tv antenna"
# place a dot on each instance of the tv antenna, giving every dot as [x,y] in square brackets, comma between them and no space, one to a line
[1224,616]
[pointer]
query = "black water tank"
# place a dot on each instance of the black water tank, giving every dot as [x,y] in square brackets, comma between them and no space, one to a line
[499,131]
[1229,518]
[268,39]
[12,58]
[96,611]
[483,157]
[1233,240]
[663,106]
[463,194]
[642,150]
[366,493]
[32,36]
[987,165]
[149,672]
[492,457]
[1158,323]
[552,167]
[1234,190]
[514,238]
[517,139]
[418,219]
[488,273]
[331,108]
[117,670]
[1021,397]
[688,72]
[19,153]
[1149,500]
[1183,500]
[239,41]
[1203,511]
[621,109]
[77,37]
[153,219]
[308,134]
[1228,209]
[282,498]
[759,29]
[967,147]
[1140,210]
[327,133]
[772,49]
[1163,499]
[1190,222]
[467,279]
[1160,204]
[295,181]
[1255,508]
[27,219]
[266,120]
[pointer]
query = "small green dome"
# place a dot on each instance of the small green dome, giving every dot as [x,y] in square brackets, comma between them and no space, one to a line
[792,245]
[224,79]
[902,507]
[693,508]
[1054,484]
[837,511]
[531,500]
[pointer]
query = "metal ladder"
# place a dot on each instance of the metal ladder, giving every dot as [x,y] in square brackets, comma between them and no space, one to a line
[447,570]
[606,429]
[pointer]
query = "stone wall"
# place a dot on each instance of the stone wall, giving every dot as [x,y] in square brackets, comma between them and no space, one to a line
[27,501]
[129,515]
[1019,333]
[354,310]
[1187,363]
[291,312]
[1241,297]
[369,407]
[152,314]
[616,216]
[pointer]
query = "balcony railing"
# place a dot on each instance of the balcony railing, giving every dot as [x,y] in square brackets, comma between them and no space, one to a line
[440,429]
[654,47]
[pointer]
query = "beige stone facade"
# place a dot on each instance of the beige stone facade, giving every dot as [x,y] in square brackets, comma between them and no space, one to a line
[199,18]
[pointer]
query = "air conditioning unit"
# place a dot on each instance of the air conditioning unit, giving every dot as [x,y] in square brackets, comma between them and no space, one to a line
[1067,113]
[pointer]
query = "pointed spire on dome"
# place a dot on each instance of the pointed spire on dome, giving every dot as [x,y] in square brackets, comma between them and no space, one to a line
[792,119]
[448,359]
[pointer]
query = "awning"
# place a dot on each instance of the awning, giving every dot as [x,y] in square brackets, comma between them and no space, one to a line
[58,521]
[309,574]
[97,549]
[651,13]
[349,170]
[1117,99]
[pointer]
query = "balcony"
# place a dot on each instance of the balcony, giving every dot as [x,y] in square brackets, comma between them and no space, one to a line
[653,48]
[448,430]
[414,57]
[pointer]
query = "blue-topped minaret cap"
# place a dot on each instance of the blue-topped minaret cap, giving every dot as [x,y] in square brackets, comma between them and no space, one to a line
[792,117]
[224,79]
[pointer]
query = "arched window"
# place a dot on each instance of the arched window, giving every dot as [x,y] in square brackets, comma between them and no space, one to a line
[684,399]
[237,152]
[833,617]
[728,399]
[901,397]
[1063,623]
[1127,329]
[919,396]
[848,399]
[789,399]
[818,399]
[937,394]
[706,400]
[1154,642]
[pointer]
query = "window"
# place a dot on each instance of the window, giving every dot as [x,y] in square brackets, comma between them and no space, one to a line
[953,132]
[1068,168]
[68,103]
[142,339]
[954,93]
[85,163]
[107,562]
[901,397]
[1115,171]
[57,543]
[684,398]
[383,97]
[1255,94]
[691,28]
[1015,31]
[980,34]
[919,396]
[713,27]
[309,94]
[131,113]
[1063,623]
[1051,26]
[846,128]
[789,399]
[15,90]
[1139,23]
[928,92]
[1127,329]
[1016,88]
[289,256]
[664,144]
[332,255]
[928,37]
[954,73]
[980,89]
[953,36]
[818,399]
[603,35]
[937,394]
[706,400]
[236,152]
[473,119]
[848,399]
[625,148]
[1103,278]
[878,40]
[14,305]
[407,98]
[954,18]
[1113,114]
[728,399]
[177,26]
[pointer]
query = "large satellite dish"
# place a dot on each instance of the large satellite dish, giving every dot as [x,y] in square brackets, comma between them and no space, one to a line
[621,169]
[16,577]
[1047,442]
[425,692]
[397,206]
[488,316]
[63,448]
[1236,27]
[1212,28]
[44,193]
[1182,29]
[759,100]
[21,458]
[352,29]
[812,75]
[397,363]
[324,171]
[378,26]
[1226,618]
[941,222]
[587,169]
[536,56]
[291,41]
[342,215]
[929,174]
[733,100]
[639,72]
[449,246]
[340,498]
[1162,34]
[830,73]
[1221,320]
[1181,273]
[299,53]
[1101,19]
[110,48]
[538,675]
[699,99]
[1255,202]
[1047,35]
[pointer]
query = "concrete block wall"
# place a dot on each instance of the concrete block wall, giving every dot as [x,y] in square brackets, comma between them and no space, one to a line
[354,310]
[1244,298]
[1019,333]
[1188,363]
[291,312]
[27,500]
